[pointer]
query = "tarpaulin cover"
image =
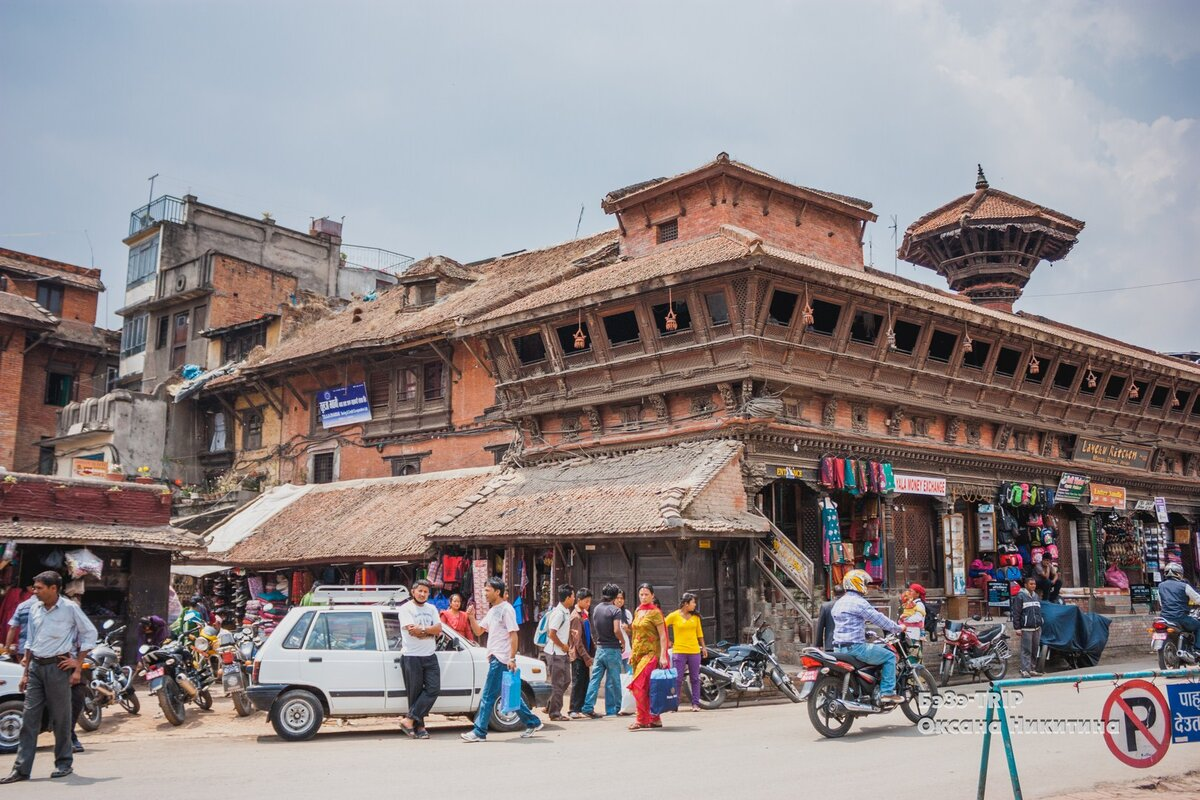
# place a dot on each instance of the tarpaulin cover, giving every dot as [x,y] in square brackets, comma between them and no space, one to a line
[1067,629]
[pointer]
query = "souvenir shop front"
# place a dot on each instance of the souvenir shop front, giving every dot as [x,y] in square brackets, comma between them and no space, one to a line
[1135,539]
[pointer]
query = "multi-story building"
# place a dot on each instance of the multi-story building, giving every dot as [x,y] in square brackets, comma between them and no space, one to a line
[51,353]
[726,349]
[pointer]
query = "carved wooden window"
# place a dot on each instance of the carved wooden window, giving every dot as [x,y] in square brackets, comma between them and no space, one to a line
[1064,376]
[252,430]
[570,427]
[668,231]
[683,317]
[406,384]
[825,317]
[406,465]
[941,346]
[1115,388]
[435,388]
[423,293]
[631,417]
[920,426]
[858,418]
[1159,398]
[622,328]
[702,404]
[864,328]
[1007,362]
[977,358]
[907,334]
[566,338]
[783,306]
[530,348]
[718,308]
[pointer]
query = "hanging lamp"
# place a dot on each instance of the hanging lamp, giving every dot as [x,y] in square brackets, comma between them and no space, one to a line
[891,334]
[670,322]
[580,336]
[1175,400]
[1035,366]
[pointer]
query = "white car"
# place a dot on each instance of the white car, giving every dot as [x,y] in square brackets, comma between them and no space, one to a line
[12,705]
[344,661]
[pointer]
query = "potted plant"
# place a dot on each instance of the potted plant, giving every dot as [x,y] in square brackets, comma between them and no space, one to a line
[8,483]
[143,475]
[165,496]
[116,473]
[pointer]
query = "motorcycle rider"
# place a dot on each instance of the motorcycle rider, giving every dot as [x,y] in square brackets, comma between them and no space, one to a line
[850,616]
[1173,596]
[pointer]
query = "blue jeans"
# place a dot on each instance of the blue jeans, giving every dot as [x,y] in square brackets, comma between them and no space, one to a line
[607,664]
[877,654]
[491,690]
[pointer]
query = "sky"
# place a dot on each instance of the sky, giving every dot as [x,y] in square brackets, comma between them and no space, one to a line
[470,129]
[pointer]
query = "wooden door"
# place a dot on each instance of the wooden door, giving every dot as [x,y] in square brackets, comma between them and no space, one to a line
[913,536]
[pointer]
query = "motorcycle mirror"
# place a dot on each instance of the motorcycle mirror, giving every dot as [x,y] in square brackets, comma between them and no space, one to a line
[144,649]
[108,623]
[976,617]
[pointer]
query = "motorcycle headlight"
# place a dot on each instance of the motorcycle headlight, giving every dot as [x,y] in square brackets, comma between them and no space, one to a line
[202,645]
[247,650]
[953,636]
[225,638]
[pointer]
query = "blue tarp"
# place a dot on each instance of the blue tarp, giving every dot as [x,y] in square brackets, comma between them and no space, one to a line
[1080,633]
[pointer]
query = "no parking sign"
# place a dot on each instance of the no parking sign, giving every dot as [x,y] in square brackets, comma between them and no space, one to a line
[1145,724]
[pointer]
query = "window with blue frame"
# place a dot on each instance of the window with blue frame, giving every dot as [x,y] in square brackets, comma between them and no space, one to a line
[143,261]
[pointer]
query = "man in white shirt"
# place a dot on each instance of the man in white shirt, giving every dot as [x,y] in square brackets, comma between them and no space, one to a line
[501,628]
[558,634]
[419,629]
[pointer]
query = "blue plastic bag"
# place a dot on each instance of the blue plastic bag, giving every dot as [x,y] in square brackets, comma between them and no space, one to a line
[664,691]
[510,691]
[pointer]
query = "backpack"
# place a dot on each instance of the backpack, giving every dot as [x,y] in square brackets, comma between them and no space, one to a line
[542,636]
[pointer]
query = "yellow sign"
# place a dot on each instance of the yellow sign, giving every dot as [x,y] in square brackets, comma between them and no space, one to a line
[88,468]
[790,473]
[1106,496]
[704,544]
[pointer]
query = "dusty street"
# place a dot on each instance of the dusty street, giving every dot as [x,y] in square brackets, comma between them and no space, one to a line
[770,747]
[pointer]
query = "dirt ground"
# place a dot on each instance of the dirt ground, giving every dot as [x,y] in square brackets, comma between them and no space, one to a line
[1183,787]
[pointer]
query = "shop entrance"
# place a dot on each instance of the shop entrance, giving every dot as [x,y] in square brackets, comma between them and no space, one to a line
[917,554]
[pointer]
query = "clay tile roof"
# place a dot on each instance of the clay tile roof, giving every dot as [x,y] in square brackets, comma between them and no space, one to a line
[677,489]
[162,537]
[82,333]
[45,267]
[363,520]
[387,321]
[988,205]
[15,306]
[438,265]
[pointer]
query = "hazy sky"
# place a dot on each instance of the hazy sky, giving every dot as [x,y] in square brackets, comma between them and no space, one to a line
[474,128]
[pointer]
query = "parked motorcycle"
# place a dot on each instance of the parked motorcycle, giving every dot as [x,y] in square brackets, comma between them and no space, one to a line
[966,649]
[177,674]
[235,653]
[742,668]
[844,688]
[1174,645]
[107,681]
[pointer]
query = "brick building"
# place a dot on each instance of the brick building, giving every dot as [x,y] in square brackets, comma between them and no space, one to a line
[729,306]
[51,352]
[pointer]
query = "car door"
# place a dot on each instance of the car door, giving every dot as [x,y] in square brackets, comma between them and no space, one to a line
[456,664]
[342,657]
[397,692]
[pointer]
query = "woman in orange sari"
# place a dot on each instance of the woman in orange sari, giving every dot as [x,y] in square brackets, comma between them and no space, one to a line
[649,653]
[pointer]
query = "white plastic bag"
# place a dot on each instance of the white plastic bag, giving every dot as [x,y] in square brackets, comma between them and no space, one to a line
[83,562]
[628,704]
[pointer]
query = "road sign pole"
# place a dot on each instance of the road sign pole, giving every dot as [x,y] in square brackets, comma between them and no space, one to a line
[1008,750]
[987,749]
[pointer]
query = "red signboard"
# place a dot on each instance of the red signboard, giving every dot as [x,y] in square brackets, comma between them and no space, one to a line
[1145,724]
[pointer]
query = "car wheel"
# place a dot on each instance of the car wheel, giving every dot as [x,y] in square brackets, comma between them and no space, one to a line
[296,715]
[509,722]
[10,725]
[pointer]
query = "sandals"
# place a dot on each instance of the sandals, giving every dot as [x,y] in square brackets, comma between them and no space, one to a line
[638,727]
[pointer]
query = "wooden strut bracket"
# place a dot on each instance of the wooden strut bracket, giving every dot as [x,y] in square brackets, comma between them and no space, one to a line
[625,552]
[800,211]
[446,358]
[266,392]
[712,193]
[766,209]
[299,398]
[682,207]
[737,192]
[676,550]
[482,363]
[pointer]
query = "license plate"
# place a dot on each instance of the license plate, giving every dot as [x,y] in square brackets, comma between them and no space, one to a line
[808,675]
[151,674]
[231,668]
[1160,637]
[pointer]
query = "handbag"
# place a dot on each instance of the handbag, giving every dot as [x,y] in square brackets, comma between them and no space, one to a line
[510,691]
[628,703]
[664,691]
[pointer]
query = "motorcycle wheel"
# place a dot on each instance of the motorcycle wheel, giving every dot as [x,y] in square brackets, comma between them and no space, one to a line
[170,699]
[204,700]
[1168,657]
[131,703]
[712,696]
[242,704]
[829,725]
[91,715]
[996,670]
[945,672]
[785,685]
[919,695]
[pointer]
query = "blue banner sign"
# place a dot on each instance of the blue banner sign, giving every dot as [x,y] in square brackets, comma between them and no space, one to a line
[344,405]
[1184,699]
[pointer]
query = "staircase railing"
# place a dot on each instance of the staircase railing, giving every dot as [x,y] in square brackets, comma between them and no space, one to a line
[783,563]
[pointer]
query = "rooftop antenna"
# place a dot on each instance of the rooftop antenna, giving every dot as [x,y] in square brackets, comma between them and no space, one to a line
[579,221]
[895,229]
[151,179]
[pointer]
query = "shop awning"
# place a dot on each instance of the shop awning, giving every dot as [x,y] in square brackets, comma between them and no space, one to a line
[197,570]
[678,490]
[373,520]
[162,537]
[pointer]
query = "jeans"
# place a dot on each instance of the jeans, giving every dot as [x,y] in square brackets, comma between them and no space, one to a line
[423,680]
[49,689]
[560,679]
[877,654]
[1030,639]
[690,662]
[491,690]
[1189,624]
[607,665]
[580,679]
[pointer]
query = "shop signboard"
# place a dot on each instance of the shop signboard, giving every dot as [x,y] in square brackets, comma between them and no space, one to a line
[987,527]
[88,468]
[1184,699]
[1144,505]
[788,473]
[920,484]
[956,554]
[1105,496]
[1160,509]
[999,595]
[1114,454]
[1071,488]
[344,405]
[1140,594]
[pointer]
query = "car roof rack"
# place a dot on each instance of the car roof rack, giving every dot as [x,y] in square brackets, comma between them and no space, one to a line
[359,595]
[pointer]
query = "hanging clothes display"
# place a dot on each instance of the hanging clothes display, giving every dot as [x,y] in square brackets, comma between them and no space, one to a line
[480,573]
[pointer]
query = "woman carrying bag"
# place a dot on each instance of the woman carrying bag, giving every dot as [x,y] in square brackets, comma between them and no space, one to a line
[649,651]
[689,645]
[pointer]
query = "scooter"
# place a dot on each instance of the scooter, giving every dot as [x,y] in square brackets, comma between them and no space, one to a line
[1174,645]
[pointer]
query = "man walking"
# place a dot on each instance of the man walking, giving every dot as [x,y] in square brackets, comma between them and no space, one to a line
[52,666]
[579,648]
[558,631]
[500,625]
[1027,619]
[419,629]
[606,628]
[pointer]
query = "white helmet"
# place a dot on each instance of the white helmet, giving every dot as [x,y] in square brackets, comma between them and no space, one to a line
[1173,570]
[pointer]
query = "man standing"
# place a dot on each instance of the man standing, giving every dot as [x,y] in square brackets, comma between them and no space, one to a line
[823,636]
[1027,619]
[51,667]
[579,648]
[418,658]
[558,632]
[18,626]
[606,628]
[500,625]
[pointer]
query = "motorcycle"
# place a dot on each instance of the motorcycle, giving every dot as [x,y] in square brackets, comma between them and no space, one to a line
[106,680]
[177,674]
[1174,645]
[844,688]
[966,649]
[235,653]
[742,668]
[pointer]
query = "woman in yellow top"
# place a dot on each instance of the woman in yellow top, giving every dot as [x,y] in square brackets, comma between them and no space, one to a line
[649,651]
[689,645]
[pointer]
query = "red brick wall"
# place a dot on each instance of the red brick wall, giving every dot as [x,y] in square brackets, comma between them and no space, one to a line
[12,368]
[244,291]
[36,419]
[36,497]
[825,234]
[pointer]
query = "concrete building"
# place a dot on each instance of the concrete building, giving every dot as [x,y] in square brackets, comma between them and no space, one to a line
[122,428]
[51,353]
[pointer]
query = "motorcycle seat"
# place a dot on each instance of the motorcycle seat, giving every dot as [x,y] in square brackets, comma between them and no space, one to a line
[854,662]
[988,634]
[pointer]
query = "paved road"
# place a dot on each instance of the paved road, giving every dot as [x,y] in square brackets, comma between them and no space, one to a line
[770,750]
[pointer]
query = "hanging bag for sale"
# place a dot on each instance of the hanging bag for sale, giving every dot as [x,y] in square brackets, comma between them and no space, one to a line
[664,691]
